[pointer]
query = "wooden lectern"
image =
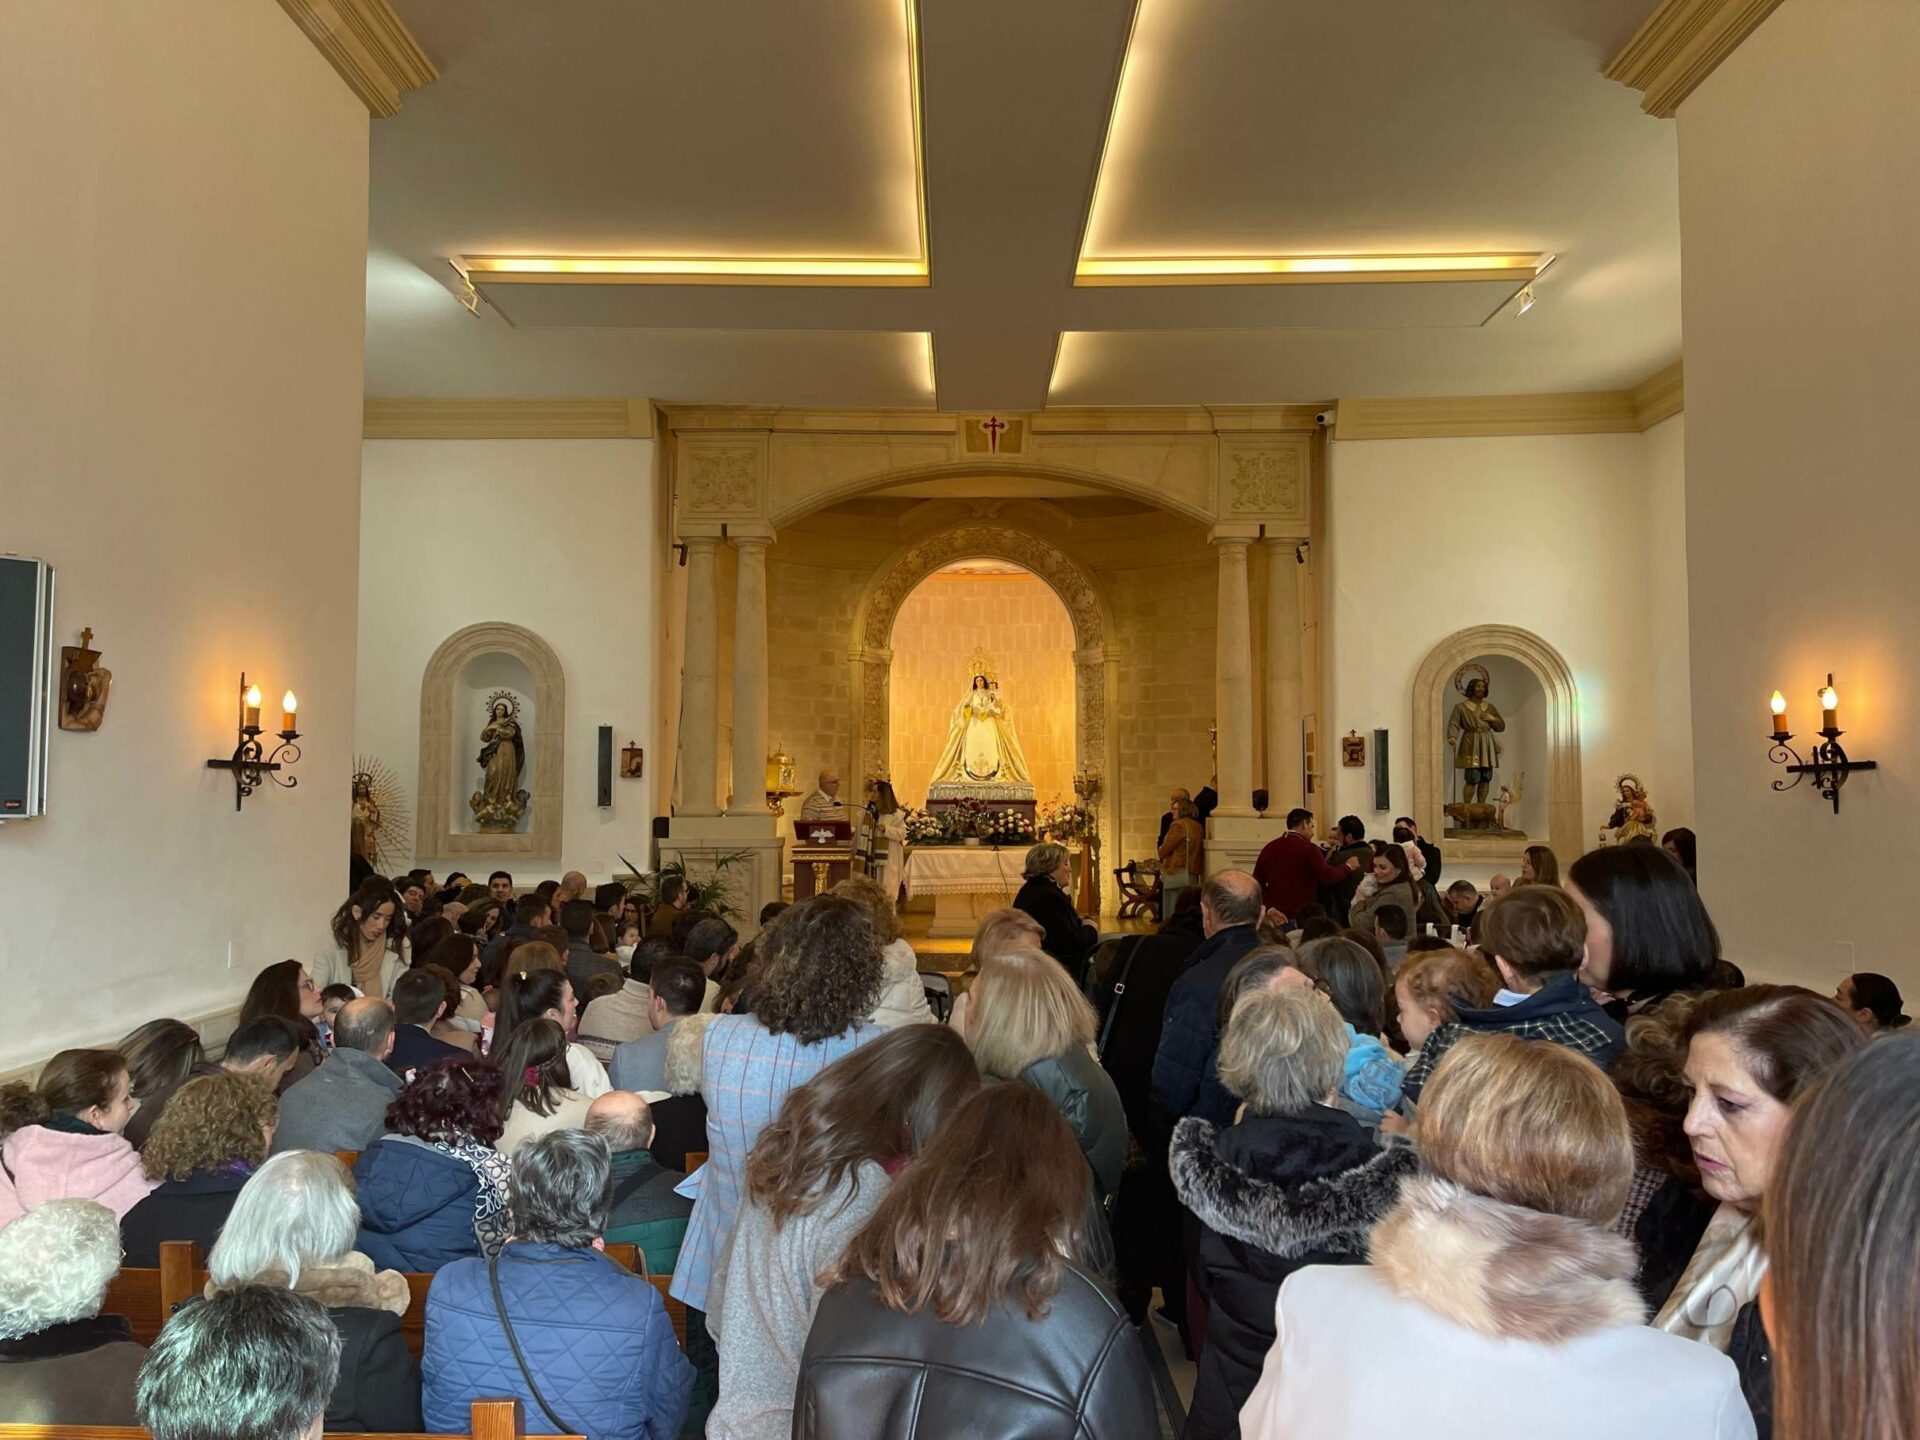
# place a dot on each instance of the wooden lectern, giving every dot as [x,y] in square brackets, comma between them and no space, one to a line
[822,856]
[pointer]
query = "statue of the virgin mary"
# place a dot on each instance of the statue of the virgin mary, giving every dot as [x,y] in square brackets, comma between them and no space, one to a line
[981,747]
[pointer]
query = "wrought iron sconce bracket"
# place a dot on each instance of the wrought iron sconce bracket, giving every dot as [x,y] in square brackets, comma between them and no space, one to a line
[1829,765]
[251,763]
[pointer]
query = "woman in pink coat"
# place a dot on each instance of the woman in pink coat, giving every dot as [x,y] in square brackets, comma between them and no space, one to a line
[61,1139]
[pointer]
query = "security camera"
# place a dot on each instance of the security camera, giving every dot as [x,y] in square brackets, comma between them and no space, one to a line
[1324,418]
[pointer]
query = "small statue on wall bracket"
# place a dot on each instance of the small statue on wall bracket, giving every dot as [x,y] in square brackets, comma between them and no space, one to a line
[83,685]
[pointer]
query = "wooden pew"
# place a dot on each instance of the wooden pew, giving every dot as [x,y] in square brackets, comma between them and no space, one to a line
[147,1297]
[490,1420]
[695,1159]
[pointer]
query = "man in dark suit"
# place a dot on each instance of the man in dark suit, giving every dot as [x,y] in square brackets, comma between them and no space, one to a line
[1184,1078]
[1291,868]
[1404,830]
[418,997]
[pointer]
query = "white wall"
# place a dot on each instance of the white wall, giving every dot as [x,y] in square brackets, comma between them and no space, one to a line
[1798,209]
[180,396]
[554,535]
[1549,533]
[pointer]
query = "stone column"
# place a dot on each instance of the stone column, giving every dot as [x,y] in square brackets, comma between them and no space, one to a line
[749,672]
[1285,788]
[1233,678]
[700,683]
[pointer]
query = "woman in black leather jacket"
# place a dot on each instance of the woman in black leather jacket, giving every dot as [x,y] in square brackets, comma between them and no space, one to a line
[962,1307]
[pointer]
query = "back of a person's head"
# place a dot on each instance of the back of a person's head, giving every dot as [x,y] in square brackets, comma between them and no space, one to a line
[432,932]
[1007,929]
[56,1262]
[1297,817]
[673,890]
[1879,995]
[576,918]
[363,1025]
[646,955]
[623,1119]
[1025,1008]
[988,1215]
[417,997]
[268,1038]
[1842,1224]
[556,937]
[1447,981]
[451,1100]
[1259,969]
[253,1363]
[710,939]
[1784,1036]
[1662,936]
[1464,890]
[680,985]
[525,993]
[295,1213]
[1528,1123]
[213,1124]
[1233,897]
[160,1055]
[681,931]
[1283,1050]
[769,910]
[819,969]
[884,1102]
[1352,979]
[1391,921]
[562,1188]
[867,890]
[1537,929]
[533,1067]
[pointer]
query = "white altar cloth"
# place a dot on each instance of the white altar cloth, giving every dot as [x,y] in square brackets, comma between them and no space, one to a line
[967,882]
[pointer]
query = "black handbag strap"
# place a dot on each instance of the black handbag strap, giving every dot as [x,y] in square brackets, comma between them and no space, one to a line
[1130,947]
[500,1305]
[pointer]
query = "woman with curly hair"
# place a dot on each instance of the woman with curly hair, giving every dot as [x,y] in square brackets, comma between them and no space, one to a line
[215,1133]
[819,970]
[435,1189]
[538,1094]
[818,1171]
[903,999]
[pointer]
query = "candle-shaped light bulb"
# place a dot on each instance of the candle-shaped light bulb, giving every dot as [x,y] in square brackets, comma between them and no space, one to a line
[250,703]
[289,708]
[1829,706]
[1779,707]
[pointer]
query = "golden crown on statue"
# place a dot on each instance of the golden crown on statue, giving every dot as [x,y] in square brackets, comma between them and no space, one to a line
[981,663]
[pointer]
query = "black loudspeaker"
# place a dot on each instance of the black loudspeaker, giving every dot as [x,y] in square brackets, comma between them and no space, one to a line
[606,766]
[1382,796]
[26,684]
[660,825]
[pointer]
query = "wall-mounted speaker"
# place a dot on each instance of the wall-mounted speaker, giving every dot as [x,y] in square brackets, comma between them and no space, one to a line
[606,767]
[26,684]
[1382,795]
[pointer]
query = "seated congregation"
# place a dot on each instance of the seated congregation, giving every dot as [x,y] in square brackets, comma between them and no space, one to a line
[1564,1175]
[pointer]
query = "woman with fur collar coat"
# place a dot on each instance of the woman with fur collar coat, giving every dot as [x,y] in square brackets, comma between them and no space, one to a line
[1293,1182]
[1496,1304]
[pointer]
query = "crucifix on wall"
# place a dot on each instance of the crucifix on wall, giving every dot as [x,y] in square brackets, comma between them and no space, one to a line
[993,425]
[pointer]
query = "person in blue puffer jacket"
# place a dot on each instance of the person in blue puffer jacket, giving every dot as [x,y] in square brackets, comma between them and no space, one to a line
[595,1350]
[435,1190]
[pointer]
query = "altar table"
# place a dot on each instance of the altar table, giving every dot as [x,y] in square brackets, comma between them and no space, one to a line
[967,882]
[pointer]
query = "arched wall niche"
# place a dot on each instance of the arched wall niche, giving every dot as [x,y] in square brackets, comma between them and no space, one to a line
[446,771]
[1096,657]
[1430,757]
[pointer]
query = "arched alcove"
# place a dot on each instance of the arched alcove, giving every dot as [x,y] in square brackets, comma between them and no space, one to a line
[446,767]
[1560,781]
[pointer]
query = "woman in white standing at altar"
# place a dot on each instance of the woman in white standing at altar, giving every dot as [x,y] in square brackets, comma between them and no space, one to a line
[890,825]
[981,746]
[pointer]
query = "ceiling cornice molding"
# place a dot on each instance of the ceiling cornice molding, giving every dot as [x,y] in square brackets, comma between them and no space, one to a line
[1680,45]
[1056,420]
[1660,396]
[1594,412]
[369,45]
[616,418]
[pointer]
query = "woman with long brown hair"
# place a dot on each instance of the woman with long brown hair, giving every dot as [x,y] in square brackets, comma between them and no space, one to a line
[60,1138]
[284,989]
[816,1174]
[972,1271]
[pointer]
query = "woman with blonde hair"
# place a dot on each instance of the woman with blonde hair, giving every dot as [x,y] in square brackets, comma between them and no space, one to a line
[215,1133]
[1494,1290]
[1027,1021]
[903,1000]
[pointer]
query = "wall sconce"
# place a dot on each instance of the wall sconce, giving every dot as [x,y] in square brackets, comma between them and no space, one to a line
[251,762]
[1830,766]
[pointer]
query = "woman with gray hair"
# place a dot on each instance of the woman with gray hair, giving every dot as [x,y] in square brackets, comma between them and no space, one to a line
[581,1342]
[1047,895]
[293,1228]
[1247,1184]
[254,1364]
[61,1361]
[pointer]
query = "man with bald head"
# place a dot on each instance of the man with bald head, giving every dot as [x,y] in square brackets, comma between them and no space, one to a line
[645,1211]
[824,803]
[1185,1081]
[343,1104]
[573,886]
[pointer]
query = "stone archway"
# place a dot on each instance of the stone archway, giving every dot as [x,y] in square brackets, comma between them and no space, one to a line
[1096,657]
[1564,824]
[436,836]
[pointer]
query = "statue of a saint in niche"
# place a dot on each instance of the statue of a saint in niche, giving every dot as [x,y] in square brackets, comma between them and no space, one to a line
[981,747]
[500,802]
[1470,731]
[1632,817]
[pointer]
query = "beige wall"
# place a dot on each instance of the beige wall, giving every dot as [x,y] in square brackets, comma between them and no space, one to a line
[180,393]
[1029,638]
[1549,533]
[553,535]
[1798,208]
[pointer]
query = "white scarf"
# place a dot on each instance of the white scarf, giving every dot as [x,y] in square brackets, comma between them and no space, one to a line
[1723,1276]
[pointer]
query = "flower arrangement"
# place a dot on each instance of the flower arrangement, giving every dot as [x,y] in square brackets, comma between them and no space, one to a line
[968,819]
[925,829]
[1065,821]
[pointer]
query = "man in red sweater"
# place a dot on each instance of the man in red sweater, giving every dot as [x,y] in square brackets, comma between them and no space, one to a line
[1291,868]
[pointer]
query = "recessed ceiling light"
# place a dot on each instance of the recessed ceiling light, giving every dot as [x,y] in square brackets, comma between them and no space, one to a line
[1304,269]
